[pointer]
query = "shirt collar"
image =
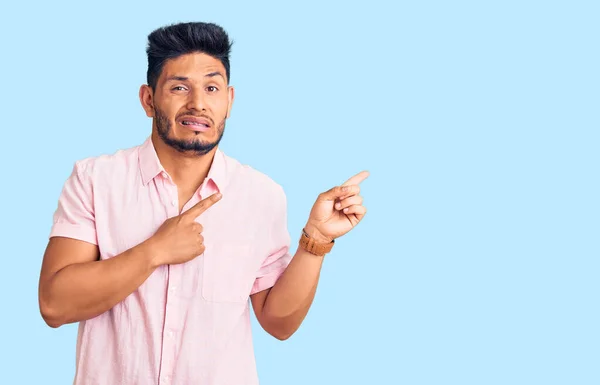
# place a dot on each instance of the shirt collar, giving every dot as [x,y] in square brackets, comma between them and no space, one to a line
[150,166]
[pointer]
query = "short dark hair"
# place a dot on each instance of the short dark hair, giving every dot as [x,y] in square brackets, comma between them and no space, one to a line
[174,40]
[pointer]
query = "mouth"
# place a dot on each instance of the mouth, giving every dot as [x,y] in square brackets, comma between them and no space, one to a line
[194,124]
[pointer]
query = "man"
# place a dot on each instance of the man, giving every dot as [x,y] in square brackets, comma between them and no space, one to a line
[156,249]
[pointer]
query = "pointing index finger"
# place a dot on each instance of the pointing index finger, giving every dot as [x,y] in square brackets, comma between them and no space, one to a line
[356,179]
[203,205]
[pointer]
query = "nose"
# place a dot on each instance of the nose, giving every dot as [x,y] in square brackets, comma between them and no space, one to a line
[196,100]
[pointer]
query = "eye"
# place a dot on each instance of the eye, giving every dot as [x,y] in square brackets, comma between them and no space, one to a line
[178,88]
[212,89]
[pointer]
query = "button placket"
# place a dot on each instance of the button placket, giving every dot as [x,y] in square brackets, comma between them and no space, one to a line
[170,196]
[169,329]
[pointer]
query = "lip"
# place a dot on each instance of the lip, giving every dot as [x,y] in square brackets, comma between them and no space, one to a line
[195,124]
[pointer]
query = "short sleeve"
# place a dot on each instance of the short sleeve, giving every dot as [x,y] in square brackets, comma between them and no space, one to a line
[279,256]
[74,216]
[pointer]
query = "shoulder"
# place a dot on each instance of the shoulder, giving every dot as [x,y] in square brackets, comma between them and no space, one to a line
[114,163]
[255,183]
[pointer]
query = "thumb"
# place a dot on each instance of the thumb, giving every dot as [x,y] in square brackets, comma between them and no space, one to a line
[339,191]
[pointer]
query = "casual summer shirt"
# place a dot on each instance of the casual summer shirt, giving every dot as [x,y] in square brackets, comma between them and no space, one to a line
[187,323]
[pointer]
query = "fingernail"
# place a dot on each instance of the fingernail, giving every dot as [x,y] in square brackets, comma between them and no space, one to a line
[218,195]
[338,205]
[345,188]
[346,210]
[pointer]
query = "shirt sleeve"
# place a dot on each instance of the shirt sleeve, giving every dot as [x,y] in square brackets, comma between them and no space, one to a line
[74,216]
[279,245]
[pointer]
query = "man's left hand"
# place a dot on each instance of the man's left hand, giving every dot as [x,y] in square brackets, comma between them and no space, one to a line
[337,211]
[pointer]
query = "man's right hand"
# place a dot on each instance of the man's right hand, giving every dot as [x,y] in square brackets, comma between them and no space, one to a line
[179,239]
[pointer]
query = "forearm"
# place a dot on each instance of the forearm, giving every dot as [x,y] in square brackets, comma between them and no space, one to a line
[289,300]
[85,290]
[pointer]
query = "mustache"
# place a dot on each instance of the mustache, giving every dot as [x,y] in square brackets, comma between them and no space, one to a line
[195,115]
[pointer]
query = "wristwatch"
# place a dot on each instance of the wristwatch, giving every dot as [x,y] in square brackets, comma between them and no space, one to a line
[317,248]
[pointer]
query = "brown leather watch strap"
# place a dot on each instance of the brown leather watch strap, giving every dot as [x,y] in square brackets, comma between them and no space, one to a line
[314,247]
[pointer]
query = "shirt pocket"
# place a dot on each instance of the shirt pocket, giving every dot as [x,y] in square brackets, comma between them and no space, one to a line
[228,274]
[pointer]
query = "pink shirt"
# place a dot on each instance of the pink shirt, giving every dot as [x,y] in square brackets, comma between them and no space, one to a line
[187,323]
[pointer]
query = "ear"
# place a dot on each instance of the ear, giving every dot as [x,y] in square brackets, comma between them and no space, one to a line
[230,97]
[147,100]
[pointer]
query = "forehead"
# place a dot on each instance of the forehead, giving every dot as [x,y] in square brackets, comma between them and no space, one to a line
[193,66]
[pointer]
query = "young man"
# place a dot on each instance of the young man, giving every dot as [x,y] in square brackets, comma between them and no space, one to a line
[156,249]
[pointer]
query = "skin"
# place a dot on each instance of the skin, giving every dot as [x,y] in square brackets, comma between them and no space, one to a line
[75,285]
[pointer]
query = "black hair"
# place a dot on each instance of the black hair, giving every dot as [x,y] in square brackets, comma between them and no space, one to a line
[174,40]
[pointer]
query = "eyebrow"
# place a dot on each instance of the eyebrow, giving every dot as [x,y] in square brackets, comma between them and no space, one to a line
[213,74]
[178,78]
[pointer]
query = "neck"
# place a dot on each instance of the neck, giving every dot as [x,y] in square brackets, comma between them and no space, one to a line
[188,171]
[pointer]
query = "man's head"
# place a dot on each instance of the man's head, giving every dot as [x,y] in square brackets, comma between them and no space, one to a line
[188,92]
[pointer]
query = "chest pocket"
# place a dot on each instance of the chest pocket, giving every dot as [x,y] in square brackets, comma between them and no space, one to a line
[228,271]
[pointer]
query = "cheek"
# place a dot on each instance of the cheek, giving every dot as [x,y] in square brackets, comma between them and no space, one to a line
[220,105]
[171,107]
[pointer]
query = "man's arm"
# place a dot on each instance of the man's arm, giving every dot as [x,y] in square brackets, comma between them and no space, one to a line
[281,309]
[74,285]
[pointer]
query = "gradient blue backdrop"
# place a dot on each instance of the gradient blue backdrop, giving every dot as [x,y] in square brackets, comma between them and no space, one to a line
[478,260]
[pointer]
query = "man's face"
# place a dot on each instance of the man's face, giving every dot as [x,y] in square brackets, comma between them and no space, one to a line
[191,103]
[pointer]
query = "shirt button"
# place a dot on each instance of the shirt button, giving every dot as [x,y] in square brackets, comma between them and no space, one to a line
[173,288]
[173,203]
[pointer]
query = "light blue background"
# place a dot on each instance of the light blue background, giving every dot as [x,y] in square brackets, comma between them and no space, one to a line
[478,260]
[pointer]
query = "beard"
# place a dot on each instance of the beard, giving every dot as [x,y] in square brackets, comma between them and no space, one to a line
[194,146]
